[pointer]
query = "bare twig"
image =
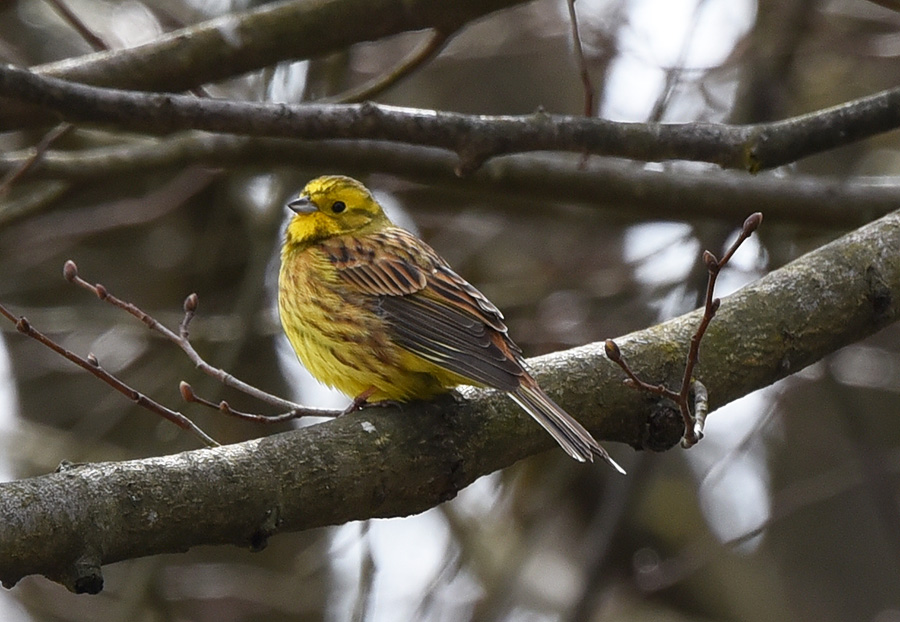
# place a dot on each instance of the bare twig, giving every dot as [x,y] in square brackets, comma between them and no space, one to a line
[63,128]
[181,340]
[92,365]
[418,57]
[614,354]
[693,420]
[675,72]
[86,33]
[39,150]
[188,395]
[585,76]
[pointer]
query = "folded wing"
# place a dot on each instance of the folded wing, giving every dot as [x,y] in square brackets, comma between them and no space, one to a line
[432,311]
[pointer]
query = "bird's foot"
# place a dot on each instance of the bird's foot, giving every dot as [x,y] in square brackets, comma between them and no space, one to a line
[362,401]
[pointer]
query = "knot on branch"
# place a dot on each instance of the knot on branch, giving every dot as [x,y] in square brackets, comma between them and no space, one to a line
[879,293]
[86,576]
[663,429]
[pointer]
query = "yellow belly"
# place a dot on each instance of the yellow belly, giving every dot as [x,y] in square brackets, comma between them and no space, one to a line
[341,340]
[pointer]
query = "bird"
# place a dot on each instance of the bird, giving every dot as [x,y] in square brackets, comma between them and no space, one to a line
[373,311]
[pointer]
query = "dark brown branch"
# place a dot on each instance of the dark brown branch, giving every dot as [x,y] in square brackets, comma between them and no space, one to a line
[474,138]
[677,192]
[380,463]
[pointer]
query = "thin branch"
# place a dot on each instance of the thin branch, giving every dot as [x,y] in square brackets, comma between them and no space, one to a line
[427,50]
[694,420]
[474,138]
[586,84]
[92,365]
[34,157]
[86,33]
[70,271]
[674,73]
[188,395]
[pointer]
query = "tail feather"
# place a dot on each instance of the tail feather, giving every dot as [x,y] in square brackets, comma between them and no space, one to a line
[571,435]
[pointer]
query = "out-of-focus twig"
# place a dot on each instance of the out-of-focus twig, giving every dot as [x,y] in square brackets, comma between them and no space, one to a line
[63,128]
[427,50]
[585,76]
[39,150]
[86,33]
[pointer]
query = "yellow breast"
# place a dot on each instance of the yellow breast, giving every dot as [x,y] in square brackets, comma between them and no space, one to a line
[339,337]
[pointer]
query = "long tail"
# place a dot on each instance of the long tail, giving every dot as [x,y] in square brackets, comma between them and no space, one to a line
[570,434]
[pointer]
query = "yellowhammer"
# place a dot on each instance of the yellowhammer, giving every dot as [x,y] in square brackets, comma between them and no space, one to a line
[374,312]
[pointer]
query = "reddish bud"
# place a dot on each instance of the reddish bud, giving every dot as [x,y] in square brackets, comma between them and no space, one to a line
[70,271]
[753,222]
[101,291]
[612,350]
[187,393]
[190,303]
[93,359]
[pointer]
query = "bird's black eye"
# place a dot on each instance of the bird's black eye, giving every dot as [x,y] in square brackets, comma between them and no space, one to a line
[338,206]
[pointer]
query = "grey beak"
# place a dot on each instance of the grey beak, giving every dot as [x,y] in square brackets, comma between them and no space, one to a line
[302,205]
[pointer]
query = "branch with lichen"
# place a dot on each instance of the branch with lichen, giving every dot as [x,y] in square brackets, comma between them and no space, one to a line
[382,463]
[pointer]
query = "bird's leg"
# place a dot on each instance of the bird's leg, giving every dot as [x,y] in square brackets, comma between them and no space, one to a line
[359,402]
[362,401]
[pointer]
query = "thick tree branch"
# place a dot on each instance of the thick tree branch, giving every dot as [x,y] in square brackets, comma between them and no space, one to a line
[382,462]
[474,138]
[276,31]
[240,42]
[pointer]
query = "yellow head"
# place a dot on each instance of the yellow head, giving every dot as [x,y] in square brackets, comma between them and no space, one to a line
[329,206]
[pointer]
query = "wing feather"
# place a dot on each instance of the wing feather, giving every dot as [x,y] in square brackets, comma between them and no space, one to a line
[432,311]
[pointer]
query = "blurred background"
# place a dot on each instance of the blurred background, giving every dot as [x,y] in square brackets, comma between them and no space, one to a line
[788,509]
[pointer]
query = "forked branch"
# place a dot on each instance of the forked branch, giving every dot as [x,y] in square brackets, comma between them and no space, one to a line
[182,341]
[92,365]
[694,419]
